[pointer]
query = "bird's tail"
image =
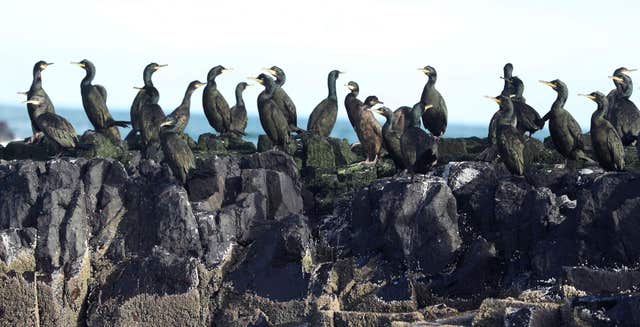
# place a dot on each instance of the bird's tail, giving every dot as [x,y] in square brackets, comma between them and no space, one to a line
[119,123]
[489,154]
[582,156]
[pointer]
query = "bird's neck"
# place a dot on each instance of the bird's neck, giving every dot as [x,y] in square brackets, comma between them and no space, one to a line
[625,90]
[390,120]
[147,79]
[211,83]
[331,83]
[239,100]
[433,77]
[428,86]
[561,99]
[37,79]
[280,80]
[186,101]
[416,115]
[88,78]
[600,113]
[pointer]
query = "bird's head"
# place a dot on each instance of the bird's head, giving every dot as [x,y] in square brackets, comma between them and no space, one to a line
[263,79]
[623,70]
[556,84]
[275,71]
[507,70]
[217,70]
[428,70]
[84,64]
[153,67]
[500,99]
[383,111]
[35,100]
[242,86]
[334,74]
[596,96]
[196,84]
[41,65]
[352,86]
[372,100]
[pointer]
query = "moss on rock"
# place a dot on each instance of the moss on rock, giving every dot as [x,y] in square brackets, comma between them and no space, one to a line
[98,146]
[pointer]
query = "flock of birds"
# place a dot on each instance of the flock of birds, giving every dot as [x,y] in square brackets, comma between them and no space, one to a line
[614,124]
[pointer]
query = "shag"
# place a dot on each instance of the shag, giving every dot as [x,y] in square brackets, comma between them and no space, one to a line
[52,125]
[216,108]
[177,153]
[605,140]
[528,118]
[565,132]
[352,104]
[323,117]
[282,99]
[435,119]
[180,116]
[147,94]
[94,100]
[391,136]
[623,113]
[419,149]
[370,130]
[508,137]
[507,73]
[239,111]
[273,121]
[36,90]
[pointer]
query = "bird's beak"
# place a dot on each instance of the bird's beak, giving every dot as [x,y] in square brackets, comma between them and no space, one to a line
[166,123]
[22,93]
[493,98]
[256,79]
[46,64]
[81,65]
[587,96]
[36,102]
[160,66]
[341,73]
[138,88]
[249,84]
[350,87]
[200,85]
[548,84]
[629,70]
[227,70]
[270,71]
[379,102]
[617,79]
[427,107]
[425,71]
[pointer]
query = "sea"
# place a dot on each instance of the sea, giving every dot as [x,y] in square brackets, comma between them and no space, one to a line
[18,121]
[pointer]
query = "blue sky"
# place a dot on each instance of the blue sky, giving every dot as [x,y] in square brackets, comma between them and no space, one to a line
[379,43]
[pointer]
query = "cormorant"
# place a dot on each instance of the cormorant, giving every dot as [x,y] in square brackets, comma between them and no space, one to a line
[419,149]
[352,104]
[177,153]
[273,121]
[52,125]
[507,73]
[94,100]
[623,113]
[435,119]
[508,137]
[391,136]
[180,116]
[370,130]
[605,140]
[151,117]
[36,90]
[323,117]
[282,99]
[147,94]
[528,118]
[239,111]
[566,134]
[216,108]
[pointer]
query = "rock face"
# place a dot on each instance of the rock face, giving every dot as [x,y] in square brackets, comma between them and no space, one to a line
[253,240]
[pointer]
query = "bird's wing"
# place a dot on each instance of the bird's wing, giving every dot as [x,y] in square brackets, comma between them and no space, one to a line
[575,130]
[103,92]
[316,114]
[289,106]
[614,144]
[59,129]
[223,109]
[400,119]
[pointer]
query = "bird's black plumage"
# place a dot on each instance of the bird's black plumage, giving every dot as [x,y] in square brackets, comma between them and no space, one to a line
[508,138]
[606,143]
[352,103]
[216,108]
[419,149]
[623,113]
[273,121]
[391,136]
[323,117]
[239,111]
[147,94]
[565,132]
[283,100]
[528,118]
[369,130]
[180,116]
[94,100]
[151,117]
[177,153]
[36,90]
[53,125]
[507,73]
[434,119]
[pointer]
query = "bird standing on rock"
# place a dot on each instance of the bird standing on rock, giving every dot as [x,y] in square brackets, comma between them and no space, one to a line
[419,149]
[623,113]
[370,130]
[53,126]
[434,119]
[94,100]
[605,140]
[528,118]
[508,137]
[216,108]
[36,90]
[147,94]
[273,121]
[239,111]
[180,116]
[283,100]
[323,117]
[177,153]
[391,136]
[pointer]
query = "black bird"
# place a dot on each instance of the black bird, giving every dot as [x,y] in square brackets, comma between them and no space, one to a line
[352,104]
[36,90]
[180,116]
[391,136]
[623,113]
[273,121]
[606,142]
[177,153]
[282,99]
[94,100]
[216,108]
[507,73]
[419,149]
[147,94]
[435,119]
[323,117]
[566,134]
[370,130]
[151,117]
[528,118]
[508,138]
[52,125]
[239,111]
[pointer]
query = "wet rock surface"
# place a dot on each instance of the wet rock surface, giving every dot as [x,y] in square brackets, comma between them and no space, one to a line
[268,238]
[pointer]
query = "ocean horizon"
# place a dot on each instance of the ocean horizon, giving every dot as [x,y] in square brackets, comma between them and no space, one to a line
[18,121]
